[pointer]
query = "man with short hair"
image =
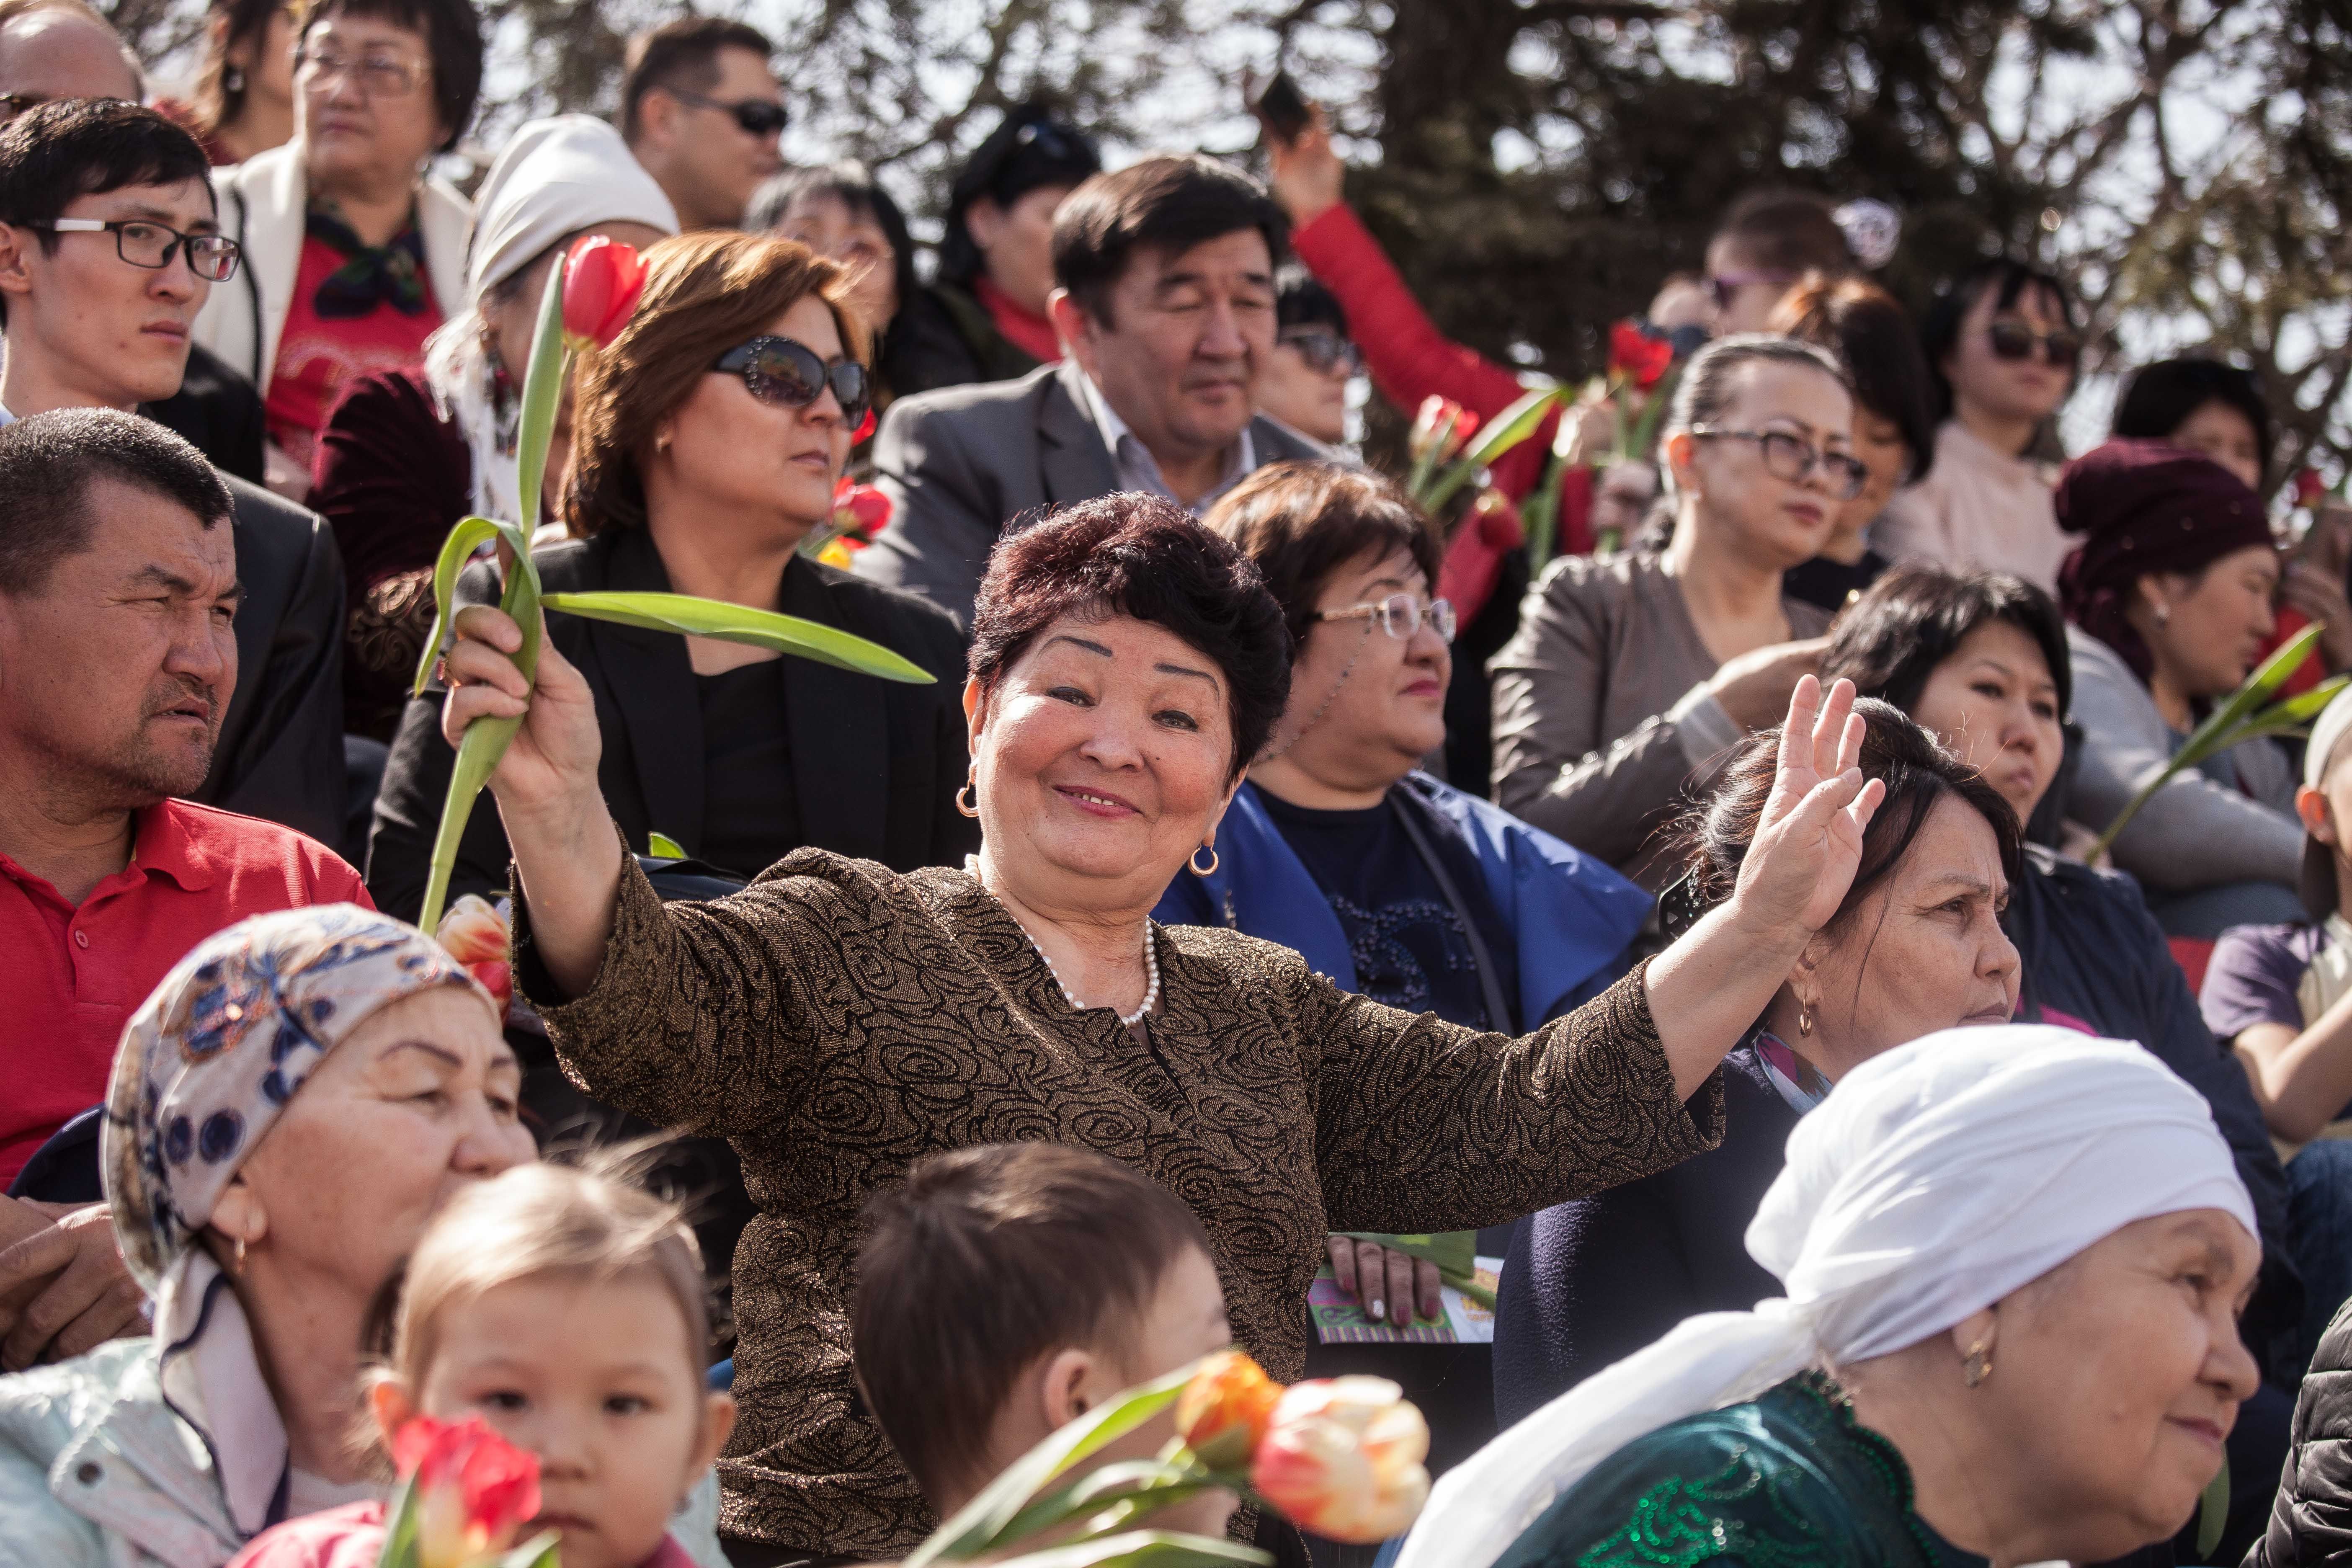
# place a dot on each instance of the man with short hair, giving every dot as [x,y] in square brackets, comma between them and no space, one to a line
[62,49]
[1165,297]
[107,250]
[701,110]
[118,652]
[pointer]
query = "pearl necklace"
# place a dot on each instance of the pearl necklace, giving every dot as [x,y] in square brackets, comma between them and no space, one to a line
[1150,959]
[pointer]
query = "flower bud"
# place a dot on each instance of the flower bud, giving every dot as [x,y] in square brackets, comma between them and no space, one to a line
[602,279]
[1342,1458]
[1223,1412]
[475,934]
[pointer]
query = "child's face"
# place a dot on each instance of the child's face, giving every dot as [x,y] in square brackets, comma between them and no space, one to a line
[599,1384]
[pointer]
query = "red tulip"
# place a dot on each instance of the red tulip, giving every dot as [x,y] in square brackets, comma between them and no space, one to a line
[474,1489]
[2310,490]
[601,282]
[865,428]
[1636,357]
[1431,426]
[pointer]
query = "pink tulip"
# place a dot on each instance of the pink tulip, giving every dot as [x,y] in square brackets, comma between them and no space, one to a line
[474,1490]
[602,279]
[474,933]
[1342,1458]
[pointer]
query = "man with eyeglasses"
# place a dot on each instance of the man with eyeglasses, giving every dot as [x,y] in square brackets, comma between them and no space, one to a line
[1165,299]
[701,110]
[108,246]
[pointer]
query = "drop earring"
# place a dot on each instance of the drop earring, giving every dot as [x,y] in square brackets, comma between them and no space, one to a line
[1804,1017]
[1977,1365]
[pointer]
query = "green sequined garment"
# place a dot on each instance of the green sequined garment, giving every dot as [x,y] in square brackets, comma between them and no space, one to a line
[1787,1480]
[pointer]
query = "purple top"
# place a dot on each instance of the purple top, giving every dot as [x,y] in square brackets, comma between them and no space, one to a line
[2253,976]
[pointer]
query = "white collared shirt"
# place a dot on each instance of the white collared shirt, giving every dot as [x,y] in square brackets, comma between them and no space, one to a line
[1138,469]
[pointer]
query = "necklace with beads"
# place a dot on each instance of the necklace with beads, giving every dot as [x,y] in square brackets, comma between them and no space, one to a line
[1150,958]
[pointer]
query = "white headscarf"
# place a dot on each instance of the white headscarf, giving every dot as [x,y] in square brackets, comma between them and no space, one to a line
[1934,1180]
[553,177]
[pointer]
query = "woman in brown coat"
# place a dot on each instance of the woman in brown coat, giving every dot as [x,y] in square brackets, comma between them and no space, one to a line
[837,1021]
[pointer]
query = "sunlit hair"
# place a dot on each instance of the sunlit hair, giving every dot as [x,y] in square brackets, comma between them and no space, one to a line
[705,293]
[585,1223]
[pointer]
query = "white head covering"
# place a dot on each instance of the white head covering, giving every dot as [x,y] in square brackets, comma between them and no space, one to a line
[553,177]
[1934,1180]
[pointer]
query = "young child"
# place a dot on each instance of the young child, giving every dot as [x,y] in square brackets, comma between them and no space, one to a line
[567,1309]
[1005,1290]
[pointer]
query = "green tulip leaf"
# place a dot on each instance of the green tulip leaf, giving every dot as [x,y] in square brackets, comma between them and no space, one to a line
[1511,426]
[485,740]
[1135,1488]
[662,846]
[543,390]
[692,617]
[468,536]
[400,1527]
[538,1552]
[980,1527]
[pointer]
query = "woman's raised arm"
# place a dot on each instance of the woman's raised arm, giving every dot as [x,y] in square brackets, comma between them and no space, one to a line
[1716,979]
[567,853]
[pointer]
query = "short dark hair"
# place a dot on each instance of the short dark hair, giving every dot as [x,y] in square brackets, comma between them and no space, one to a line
[1030,150]
[452,30]
[853,185]
[1784,230]
[1298,522]
[55,153]
[1870,333]
[681,54]
[1136,554]
[2159,398]
[1939,330]
[1301,300]
[987,1258]
[1169,203]
[47,463]
[1890,640]
[1713,837]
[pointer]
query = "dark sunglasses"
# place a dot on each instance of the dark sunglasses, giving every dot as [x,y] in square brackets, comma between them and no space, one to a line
[1323,350]
[757,116]
[2015,341]
[791,376]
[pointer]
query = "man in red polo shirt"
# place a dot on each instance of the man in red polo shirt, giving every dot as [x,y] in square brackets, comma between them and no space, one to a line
[118,654]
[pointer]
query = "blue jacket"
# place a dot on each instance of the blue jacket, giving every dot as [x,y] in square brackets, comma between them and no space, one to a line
[1570,915]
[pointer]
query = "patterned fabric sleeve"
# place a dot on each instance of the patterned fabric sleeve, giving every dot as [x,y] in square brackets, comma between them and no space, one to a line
[703,1017]
[1424,1126]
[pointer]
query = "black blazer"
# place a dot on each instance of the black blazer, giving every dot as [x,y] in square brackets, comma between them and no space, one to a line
[875,764]
[218,412]
[280,751]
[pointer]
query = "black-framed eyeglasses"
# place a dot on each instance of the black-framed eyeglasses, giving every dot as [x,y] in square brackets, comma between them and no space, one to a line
[1722,287]
[2014,341]
[379,74]
[1790,457]
[143,242]
[1400,616]
[1324,350]
[793,375]
[757,116]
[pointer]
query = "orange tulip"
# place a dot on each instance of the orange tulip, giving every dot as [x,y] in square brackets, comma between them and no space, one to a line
[1223,1412]
[1342,1458]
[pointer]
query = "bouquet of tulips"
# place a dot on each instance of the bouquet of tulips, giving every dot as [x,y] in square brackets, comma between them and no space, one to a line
[1637,388]
[1339,1456]
[589,300]
[465,1494]
[2248,715]
[1445,456]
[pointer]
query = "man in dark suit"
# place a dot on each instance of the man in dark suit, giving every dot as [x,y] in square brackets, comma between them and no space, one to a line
[1165,300]
[93,323]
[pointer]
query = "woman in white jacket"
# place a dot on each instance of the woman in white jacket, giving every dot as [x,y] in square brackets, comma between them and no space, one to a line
[353,253]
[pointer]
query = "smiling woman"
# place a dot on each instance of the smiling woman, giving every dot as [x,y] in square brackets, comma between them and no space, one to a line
[835,1021]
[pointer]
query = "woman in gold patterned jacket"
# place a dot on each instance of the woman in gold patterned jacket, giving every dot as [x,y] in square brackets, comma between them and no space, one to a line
[837,1021]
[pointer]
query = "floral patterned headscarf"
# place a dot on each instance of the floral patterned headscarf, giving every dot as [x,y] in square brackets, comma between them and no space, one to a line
[205,1067]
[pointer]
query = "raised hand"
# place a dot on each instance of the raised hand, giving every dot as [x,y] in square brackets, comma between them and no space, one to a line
[1809,840]
[551,764]
[1305,174]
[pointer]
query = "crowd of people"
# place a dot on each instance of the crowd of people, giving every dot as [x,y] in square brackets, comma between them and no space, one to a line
[1756,882]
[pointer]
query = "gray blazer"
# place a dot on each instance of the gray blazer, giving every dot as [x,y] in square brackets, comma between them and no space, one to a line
[2197,831]
[960,463]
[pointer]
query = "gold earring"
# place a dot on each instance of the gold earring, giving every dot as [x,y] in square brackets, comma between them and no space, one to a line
[1193,862]
[237,1259]
[1804,1018]
[1977,1365]
[963,800]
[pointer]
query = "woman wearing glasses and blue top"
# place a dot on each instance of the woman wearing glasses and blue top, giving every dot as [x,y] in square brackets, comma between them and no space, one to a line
[706,442]
[1633,674]
[352,254]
